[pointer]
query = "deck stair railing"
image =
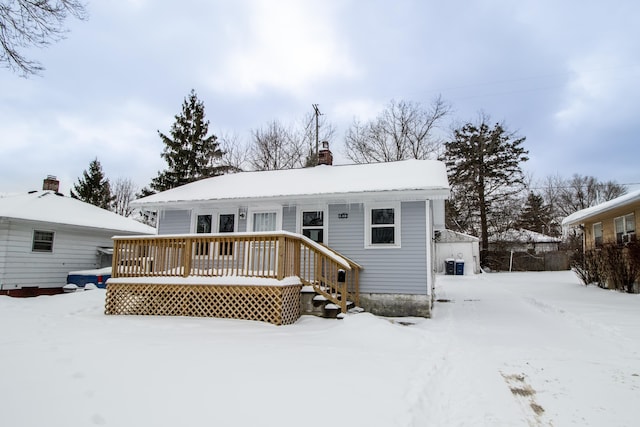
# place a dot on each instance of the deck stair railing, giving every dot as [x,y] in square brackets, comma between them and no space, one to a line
[267,255]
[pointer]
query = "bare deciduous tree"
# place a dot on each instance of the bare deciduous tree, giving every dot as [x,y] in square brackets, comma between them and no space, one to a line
[235,154]
[28,23]
[123,192]
[275,147]
[567,196]
[404,130]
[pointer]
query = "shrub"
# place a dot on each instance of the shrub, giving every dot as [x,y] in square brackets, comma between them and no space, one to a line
[587,267]
[620,265]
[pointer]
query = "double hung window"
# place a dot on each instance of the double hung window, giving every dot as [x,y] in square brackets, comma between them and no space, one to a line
[313,225]
[383,226]
[42,241]
[625,227]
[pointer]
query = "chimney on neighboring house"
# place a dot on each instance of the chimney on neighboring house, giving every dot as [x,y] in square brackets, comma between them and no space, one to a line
[324,156]
[51,183]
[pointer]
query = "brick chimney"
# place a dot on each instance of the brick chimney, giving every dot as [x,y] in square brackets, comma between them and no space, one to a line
[324,156]
[51,183]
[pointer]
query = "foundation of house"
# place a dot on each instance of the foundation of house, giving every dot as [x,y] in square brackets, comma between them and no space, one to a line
[397,305]
[30,291]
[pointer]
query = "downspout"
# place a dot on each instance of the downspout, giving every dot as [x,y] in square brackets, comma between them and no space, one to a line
[429,246]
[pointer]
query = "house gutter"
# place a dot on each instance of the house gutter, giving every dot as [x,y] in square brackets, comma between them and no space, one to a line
[333,198]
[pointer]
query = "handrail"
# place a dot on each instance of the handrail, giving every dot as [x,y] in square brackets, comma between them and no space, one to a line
[271,255]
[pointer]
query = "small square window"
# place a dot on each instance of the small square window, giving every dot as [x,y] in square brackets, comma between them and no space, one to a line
[382,235]
[203,224]
[226,223]
[382,216]
[42,241]
[315,234]
[312,218]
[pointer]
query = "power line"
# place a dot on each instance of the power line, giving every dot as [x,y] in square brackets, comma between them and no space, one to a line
[571,186]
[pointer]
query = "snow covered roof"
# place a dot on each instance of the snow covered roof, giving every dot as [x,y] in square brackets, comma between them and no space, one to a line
[523,236]
[580,216]
[428,177]
[450,236]
[47,206]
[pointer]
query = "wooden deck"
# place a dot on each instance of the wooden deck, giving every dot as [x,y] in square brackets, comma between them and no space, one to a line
[223,275]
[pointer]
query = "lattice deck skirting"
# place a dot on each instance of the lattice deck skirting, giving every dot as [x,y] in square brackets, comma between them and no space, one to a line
[279,305]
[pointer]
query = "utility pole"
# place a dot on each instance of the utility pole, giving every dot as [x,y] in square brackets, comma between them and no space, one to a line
[317,114]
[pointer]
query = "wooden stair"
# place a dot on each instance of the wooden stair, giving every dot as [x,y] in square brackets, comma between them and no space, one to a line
[314,304]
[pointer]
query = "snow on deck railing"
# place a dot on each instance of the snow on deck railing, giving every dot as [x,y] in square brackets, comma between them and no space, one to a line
[344,262]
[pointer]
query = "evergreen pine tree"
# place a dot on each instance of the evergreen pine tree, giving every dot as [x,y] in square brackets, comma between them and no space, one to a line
[93,187]
[190,154]
[484,170]
[535,215]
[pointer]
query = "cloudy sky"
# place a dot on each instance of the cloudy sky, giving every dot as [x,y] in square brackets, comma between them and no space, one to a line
[564,74]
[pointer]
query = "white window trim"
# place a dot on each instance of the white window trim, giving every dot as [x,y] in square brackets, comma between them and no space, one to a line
[215,219]
[252,211]
[397,214]
[215,225]
[194,219]
[325,223]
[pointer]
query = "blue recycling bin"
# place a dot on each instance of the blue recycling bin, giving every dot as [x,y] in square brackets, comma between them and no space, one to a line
[449,266]
[459,267]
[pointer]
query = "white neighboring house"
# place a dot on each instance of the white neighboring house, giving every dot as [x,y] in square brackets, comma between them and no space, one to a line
[44,235]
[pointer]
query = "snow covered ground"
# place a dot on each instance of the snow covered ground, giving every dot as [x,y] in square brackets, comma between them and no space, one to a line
[504,349]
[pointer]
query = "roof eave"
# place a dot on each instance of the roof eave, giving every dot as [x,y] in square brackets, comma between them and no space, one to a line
[68,225]
[435,193]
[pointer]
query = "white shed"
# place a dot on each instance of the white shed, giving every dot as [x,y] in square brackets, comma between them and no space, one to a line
[458,246]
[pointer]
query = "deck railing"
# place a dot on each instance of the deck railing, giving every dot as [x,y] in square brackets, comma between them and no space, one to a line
[268,255]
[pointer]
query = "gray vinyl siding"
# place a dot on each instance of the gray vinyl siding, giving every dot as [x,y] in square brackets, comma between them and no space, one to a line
[400,270]
[73,249]
[385,270]
[289,218]
[174,222]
